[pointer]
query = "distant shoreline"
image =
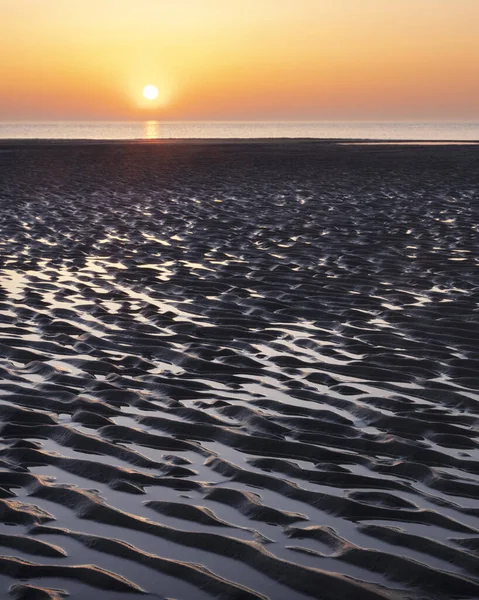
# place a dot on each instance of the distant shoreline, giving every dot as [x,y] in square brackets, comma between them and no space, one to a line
[233,141]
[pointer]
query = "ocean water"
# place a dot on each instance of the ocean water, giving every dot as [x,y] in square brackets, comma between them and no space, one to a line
[147,130]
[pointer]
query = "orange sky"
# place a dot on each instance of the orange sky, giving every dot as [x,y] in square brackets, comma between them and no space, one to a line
[239,59]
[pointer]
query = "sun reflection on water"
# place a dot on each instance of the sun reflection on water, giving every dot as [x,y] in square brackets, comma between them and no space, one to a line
[152,130]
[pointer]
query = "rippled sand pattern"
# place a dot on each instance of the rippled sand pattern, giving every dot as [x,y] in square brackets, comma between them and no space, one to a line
[239,371]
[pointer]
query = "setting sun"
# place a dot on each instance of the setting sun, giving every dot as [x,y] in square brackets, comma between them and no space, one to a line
[150,92]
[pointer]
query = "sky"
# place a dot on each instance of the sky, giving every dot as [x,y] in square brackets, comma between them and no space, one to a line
[239,59]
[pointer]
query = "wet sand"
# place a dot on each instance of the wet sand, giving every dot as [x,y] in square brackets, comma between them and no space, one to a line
[243,370]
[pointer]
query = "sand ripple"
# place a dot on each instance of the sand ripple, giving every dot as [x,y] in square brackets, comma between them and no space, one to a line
[239,371]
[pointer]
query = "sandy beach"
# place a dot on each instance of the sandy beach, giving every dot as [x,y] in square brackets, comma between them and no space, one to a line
[239,370]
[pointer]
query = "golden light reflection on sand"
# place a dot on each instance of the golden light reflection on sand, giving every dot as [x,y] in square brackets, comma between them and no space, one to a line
[152,130]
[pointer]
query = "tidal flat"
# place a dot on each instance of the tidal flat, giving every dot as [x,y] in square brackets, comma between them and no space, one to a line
[239,370]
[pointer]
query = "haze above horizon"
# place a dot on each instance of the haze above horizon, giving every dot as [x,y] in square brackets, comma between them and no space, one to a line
[239,59]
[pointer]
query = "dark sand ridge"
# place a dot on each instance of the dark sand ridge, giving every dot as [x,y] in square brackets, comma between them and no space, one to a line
[239,370]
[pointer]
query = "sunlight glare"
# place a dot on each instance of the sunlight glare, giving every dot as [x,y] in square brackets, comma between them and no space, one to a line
[150,92]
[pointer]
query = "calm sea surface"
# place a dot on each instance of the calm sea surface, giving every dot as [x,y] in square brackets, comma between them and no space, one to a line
[133,130]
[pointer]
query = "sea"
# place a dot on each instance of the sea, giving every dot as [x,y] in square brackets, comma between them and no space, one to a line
[324,130]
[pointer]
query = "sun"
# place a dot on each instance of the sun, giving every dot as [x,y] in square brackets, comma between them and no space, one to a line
[150,92]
